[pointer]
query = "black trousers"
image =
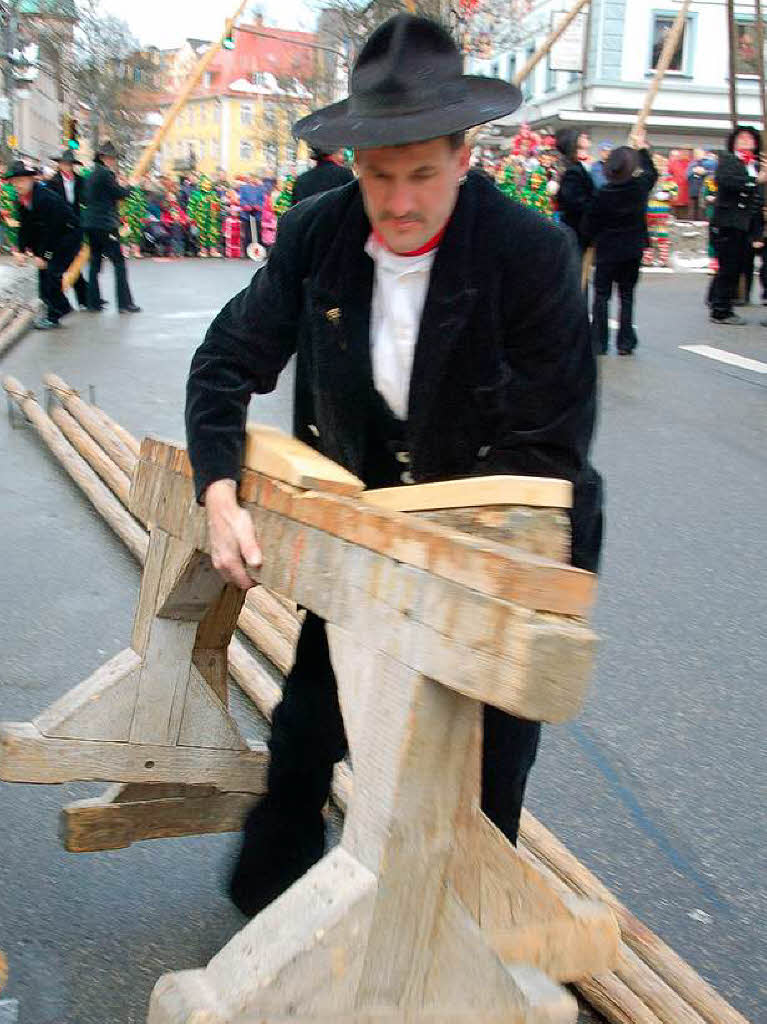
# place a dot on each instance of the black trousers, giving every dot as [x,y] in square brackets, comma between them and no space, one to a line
[747,271]
[624,274]
[50,280]
[107,243]
[308,737]
[730,247]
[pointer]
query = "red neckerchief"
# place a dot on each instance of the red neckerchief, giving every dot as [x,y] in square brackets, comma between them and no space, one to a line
[333,159]
[746,155]
[433,243]
[26,201]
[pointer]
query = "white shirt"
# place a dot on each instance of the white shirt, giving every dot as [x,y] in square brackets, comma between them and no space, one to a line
[69,189]
[400,284]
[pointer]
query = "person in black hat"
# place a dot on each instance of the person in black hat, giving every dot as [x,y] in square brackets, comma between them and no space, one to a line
[101,221]
[739,174]
[50,231]
[69,186]
[442,333]
[616,224]
[576,185]
[328,172]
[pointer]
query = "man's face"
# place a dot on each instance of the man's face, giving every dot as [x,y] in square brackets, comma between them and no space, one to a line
[23,185]
[745,140]
[410,191]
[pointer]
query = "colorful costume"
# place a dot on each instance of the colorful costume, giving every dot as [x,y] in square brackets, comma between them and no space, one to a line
[535,193]
[658,217]
[134,214]
[204,210]
[233,230]
[708,196]
[284,200]
[8,216]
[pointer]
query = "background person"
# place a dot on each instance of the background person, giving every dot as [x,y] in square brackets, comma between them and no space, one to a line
[69,185]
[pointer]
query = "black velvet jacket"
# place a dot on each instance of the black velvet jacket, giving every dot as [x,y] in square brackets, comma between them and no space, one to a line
[504,377]
[616,219]
[48,224]
[56,184]
[100,198]
[324,176]
[737,195]
[576,190]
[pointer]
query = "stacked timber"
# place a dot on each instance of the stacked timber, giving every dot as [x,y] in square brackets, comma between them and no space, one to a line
[651,984]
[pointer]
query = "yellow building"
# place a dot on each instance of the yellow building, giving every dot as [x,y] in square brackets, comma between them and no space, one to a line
[237,132]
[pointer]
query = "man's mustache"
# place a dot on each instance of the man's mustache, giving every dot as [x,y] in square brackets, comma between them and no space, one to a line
[408,216]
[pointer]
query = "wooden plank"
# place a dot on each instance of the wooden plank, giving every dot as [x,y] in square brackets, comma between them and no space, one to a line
[615,1000]
[474,492]
[102,823]
[101,707]
[28,756]
[285,458]
[538,531]
[479,564]
[205,720]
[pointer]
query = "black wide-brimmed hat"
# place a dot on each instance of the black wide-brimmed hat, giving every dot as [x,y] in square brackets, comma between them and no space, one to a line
[107,149]
[407,86]
[67,157]
[18,169]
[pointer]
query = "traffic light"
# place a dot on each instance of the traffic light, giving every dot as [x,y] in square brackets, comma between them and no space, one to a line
[228,41]
[71,134]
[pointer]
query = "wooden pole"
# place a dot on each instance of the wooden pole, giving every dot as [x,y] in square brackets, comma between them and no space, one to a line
[669,48]
[732,83]
[544,48]
[199,70]
[760,69]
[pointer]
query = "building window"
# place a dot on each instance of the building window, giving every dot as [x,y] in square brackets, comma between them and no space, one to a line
[270,114]
[246,150]
[257,78]
[661,26]
[207,79]
[495,70]
[217,113]
[246,113]
[271,153]
[746,50]
[512,68]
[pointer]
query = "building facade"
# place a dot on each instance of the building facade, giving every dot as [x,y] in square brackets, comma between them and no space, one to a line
[622,44]
[239,121]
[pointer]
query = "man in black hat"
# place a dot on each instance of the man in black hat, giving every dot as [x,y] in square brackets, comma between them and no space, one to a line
[50,231]
[443,333]
[615,223]
[739,174]
[101,221]
[328,172]
[69,186]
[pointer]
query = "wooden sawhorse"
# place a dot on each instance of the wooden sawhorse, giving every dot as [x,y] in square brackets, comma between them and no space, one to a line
[424,912]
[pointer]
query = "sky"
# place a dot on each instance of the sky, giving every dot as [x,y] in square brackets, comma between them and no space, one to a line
[167,23]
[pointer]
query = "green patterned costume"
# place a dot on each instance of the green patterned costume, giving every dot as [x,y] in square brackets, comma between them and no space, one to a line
[9,213]
[204,209]
[283,201]
[135,212]
[508,184]
[535,193]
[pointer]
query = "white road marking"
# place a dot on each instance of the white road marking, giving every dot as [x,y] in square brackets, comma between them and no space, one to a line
[726,357]
[199,314]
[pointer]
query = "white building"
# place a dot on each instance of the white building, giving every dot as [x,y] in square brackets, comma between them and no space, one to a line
[621,47]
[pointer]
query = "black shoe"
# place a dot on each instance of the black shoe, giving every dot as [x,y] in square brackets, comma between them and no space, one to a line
[42,323]
[280,843]
[130,309]
[625,351]
[733,320]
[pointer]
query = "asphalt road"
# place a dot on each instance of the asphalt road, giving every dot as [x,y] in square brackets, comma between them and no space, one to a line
[659,786]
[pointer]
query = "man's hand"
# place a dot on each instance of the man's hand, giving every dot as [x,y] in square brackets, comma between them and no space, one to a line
[40,263]
[19,258]
[233,543]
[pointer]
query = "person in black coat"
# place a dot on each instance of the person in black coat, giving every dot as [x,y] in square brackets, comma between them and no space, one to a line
[503,380]
[616,224]
[69,185]
[576,185]
[50,230]
[738,176]
[101,221]
[327,173]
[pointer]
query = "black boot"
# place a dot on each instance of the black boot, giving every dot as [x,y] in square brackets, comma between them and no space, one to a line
[283,836]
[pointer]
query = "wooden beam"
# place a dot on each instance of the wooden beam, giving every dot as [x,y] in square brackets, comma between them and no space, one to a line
[474,492]
[91,421]
[272,453]
[732,78]
[28,756]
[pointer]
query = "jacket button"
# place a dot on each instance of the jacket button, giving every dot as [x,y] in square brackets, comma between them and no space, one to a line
[407,477]
[313,430]
[484,451]
[403,457]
